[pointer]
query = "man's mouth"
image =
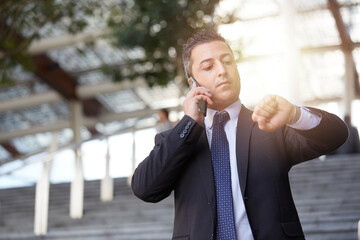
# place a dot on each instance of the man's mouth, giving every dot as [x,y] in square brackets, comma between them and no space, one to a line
[222,82]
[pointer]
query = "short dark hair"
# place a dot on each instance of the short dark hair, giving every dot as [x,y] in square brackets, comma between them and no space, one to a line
[202,36]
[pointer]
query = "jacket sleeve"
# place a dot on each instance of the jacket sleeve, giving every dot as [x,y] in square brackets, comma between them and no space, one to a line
[329,135]
[156,175]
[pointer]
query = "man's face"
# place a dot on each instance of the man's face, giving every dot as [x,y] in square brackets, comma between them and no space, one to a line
[213,66]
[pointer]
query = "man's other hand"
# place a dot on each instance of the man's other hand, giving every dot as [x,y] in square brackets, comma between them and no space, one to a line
[273,112]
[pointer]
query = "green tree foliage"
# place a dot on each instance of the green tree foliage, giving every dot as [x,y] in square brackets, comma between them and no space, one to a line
[160,28]
[23,21]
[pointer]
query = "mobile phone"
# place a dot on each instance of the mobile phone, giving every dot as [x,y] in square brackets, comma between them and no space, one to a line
[202,105]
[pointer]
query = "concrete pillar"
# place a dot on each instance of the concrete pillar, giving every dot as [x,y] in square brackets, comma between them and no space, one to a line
[133,159]
[107,183]
[291,52]
[349,86]
[77,185]
[42,192]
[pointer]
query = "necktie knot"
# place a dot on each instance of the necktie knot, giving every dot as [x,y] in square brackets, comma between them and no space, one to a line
[221,118]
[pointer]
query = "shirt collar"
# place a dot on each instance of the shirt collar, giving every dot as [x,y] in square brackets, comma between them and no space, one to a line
[233,110]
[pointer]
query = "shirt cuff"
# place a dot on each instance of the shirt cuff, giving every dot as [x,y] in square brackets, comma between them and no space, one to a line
[307,120]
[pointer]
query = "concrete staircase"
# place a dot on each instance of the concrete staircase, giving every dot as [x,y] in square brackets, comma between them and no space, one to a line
[327,195]
[126,217]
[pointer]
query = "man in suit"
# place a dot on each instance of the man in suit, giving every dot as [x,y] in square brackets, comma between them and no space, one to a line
[262,146]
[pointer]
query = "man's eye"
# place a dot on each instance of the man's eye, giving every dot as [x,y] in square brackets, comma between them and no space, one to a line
[228,62]
[208,68]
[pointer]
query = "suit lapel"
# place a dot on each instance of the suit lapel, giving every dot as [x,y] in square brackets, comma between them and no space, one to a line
[243,132]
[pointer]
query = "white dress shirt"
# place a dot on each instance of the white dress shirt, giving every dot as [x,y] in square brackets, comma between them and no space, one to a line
[307,120]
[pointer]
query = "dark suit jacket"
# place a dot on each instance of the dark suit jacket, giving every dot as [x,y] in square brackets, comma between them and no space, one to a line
[181,161]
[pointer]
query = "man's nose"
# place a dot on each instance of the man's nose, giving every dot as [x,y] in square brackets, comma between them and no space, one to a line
[221,69]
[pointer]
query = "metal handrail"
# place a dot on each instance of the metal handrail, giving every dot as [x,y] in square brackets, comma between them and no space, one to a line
[49,155]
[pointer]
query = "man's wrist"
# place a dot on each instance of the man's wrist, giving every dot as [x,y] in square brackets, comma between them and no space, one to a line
[296,116]
[198,119]
[307,120]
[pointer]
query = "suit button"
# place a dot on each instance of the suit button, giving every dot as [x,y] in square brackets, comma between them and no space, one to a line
[185,131]
[189,123]
[182,135]
[187,127]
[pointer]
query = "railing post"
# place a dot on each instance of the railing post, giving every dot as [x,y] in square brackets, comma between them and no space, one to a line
[133,159]
[77,185]
[291,51]
[349,89]
[107,183]
[42,192]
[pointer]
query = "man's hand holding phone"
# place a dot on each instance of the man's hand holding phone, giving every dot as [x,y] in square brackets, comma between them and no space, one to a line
[202,104]
[192,100]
